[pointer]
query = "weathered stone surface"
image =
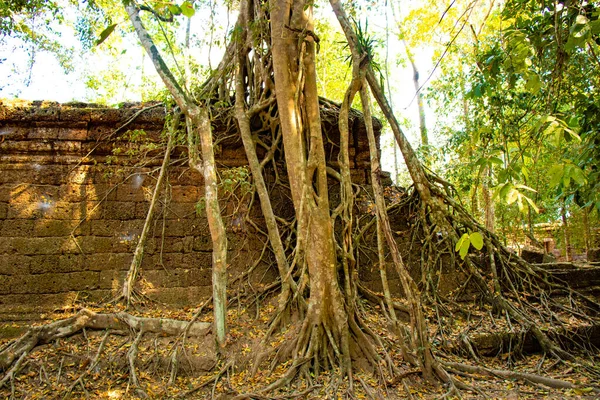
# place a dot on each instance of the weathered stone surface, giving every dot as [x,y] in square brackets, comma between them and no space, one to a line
[14,264]
[51,283]
[16,227]
[72,207]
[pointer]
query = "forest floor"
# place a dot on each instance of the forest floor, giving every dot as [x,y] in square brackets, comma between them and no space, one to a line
[52,371]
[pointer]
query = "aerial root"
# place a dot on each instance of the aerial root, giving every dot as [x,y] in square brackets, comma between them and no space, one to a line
[318,347]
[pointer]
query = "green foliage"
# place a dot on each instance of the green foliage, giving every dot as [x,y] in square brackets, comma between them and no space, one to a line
[234,179]
[106,33]
[333,72]
[15,15]
[466,241]
[526,91]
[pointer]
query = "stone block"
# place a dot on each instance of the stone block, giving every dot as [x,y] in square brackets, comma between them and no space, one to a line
[95,244]
[177,227]
[593,255]
[185,194]
[117,228]
[178,277]
[58,227]
[42,132]
[73,134]
[137,193]
[3,210]
[198,260]
[25,146]
[202,243]
[112,280]
[167,261]
[118,210]
[14,132]
[67,146]
[99,132]
[74,193]
[172,244]
[532,255]
[16,227]
[109,261]
[81,175]
[31,245]
[185,177]
[26,210]
[71,114]
[14,264]
[70,263]
[44,263]
[141,210]
[105,116]
[5,192]
[54,282]
[179,296]
[182,210]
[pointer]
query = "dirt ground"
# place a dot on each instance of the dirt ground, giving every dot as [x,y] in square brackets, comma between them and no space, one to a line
[178,367]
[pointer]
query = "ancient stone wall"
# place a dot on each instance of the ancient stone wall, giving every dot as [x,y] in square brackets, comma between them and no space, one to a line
[74,196]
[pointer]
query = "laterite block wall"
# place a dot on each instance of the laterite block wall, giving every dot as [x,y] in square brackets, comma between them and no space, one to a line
[72,206]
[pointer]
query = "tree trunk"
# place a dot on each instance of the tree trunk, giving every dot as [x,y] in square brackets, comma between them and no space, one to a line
[566,233]
[488,202]
[419,94]
[297,100]
[419,334]
[261,188]
[198,116]
[587,237]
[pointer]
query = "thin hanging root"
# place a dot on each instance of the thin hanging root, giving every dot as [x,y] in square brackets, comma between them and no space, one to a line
[127,294]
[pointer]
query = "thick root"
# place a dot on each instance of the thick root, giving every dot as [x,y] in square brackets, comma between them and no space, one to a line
[92,320]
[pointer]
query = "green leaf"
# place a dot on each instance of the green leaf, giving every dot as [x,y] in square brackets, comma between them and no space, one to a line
[175,9]
[534,84]
[556,174]
[187,9]
[519,186]
[505,190]
[464,248]
[496,160]
[476,240]
[520,201]
[512,196]
[105,34]
[573,134]
[577,175]
[531,203]
[461,241]
[482,161]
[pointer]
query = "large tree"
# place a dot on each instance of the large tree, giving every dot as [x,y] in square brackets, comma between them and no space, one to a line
[268,76]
